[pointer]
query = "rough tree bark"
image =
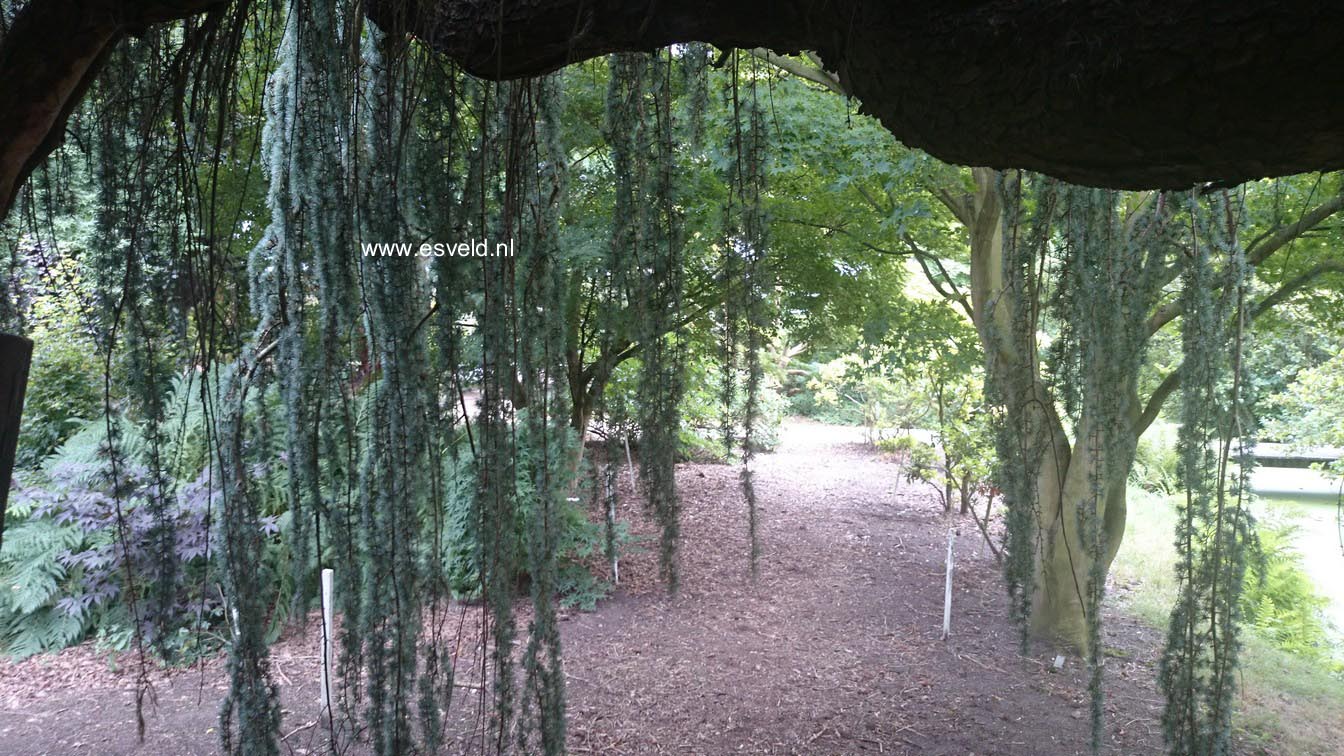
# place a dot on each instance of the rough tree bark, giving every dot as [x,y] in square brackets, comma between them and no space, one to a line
[1141,94]
[16,354]
[49,57]
[1147,93]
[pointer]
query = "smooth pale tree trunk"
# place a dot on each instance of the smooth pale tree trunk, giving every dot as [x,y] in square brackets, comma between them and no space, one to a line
[1063,564]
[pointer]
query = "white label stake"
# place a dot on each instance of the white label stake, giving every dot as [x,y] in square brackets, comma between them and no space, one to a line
[328,583]
[947,591]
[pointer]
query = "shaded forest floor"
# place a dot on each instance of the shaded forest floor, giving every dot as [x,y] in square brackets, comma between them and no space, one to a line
[834,649]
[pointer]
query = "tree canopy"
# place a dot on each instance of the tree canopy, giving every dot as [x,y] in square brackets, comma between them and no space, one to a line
[234,235]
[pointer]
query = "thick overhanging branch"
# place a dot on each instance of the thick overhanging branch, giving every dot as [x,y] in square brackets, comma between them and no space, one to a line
[51,55]
[508,40]
[1144,94]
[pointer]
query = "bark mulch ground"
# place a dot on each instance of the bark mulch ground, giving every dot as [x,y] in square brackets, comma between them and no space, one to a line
[835,648]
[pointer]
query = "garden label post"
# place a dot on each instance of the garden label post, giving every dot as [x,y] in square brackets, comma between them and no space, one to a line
[15,355]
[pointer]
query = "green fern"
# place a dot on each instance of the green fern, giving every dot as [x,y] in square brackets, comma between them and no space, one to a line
[31,574]
[1280,600]
[86,449]
[47,629]
[184,424]
[33,578]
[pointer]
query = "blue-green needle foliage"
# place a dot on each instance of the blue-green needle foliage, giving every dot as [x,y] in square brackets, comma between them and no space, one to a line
[1214,529]
[648,232]
[1089,268]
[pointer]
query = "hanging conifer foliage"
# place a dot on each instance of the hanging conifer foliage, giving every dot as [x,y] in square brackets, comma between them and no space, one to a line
[319,136]
[394,490]
[385,516]
[132,260]
[1092,267]
[550,444]
[1074,261]
[278,270]
[648,231]
[523,441]
[1111,274]
[730,272]
[750,243]
[694,65]
[1021,438]
[145,237]
[250,713]
[332,380]
[1214,528]
[496,506]
[434,177]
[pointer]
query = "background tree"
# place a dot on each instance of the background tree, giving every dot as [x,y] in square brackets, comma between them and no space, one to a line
[330,386]
[951,222]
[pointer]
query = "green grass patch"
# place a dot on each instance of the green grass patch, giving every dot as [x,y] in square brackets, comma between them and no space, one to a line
[1292,701]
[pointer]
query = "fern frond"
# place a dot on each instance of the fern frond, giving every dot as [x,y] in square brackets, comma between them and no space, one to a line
[30,566]
[47,629]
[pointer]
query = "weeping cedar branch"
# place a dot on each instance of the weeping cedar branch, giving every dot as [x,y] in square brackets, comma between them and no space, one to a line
[1092,92]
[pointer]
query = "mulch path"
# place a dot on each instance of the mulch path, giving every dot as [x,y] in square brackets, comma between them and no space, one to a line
[835,648]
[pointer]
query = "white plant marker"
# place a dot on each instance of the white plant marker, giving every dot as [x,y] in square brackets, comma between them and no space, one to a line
[630,463]
[947,591]
[615,557]
[328,584]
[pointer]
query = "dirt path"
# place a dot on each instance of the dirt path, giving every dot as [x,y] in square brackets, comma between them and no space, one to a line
[834,649]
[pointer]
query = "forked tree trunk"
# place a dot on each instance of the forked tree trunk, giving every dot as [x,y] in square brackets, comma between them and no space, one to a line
[586,387]
[1062,562]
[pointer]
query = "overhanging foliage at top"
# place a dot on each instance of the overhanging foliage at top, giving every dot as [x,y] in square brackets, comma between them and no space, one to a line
[1130,95]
